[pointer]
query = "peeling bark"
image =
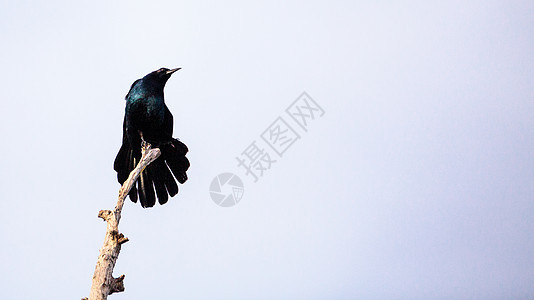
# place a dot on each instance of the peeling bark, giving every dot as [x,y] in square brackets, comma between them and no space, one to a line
[104,283]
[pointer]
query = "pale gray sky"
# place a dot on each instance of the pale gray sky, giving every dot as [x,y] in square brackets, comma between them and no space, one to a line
[417,183]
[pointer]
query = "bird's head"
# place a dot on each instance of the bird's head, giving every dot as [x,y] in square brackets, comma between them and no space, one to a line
[160,76]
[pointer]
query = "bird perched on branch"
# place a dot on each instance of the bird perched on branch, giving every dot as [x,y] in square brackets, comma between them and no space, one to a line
[147,118]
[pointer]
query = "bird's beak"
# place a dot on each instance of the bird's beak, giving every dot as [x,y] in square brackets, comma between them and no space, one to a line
[172,71]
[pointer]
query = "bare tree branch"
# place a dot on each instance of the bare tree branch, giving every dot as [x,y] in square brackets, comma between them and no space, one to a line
[103,282]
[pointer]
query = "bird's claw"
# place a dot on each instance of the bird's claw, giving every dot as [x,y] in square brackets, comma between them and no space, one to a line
[145,147]
[144,144]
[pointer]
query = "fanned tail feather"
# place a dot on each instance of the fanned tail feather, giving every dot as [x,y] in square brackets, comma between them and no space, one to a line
[156,179]
[146,189]
[174,155]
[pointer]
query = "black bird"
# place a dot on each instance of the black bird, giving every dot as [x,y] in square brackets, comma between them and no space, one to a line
[148,118]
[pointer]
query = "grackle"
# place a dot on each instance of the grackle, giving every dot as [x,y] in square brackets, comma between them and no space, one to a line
[147,118]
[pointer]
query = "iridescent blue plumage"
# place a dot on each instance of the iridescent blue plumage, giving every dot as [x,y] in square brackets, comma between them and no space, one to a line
[148,118]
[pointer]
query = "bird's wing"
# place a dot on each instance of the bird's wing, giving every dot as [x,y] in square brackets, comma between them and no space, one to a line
[133,84]
[124,134]
[168,122]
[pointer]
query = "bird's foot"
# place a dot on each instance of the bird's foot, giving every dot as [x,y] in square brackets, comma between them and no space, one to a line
[145,146]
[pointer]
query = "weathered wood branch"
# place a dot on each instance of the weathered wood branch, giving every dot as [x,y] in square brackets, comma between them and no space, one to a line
[103,282]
